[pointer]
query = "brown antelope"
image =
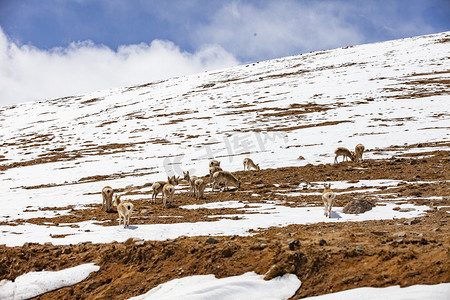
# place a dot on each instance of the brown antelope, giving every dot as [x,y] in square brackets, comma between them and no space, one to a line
[344,152]
[248,163]
[190,180]
[124,209]
[328,197]
[214,163]
[168,191]
[359,149]
[226,178]
[213,170]
[107,194]
[200,185]
[158,186]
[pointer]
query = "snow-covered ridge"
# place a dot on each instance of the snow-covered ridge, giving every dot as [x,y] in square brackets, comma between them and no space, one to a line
[61,152]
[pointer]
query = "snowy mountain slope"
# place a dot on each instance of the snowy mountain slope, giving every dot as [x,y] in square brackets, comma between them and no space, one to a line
[62,151]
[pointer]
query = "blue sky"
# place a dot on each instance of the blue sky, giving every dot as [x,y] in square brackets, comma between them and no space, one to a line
[97,44]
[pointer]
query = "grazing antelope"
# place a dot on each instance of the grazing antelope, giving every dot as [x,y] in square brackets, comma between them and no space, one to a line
[190,180]
[158,186]
[328,197]
[107,194]
[359,149]
[214,163]
[125,210]
[213,170]
[225,177]
[248,163]
[168,191]
[344,152]
[200,185]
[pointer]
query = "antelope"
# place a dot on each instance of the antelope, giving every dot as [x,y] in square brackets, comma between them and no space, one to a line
[124,209]
[328,197]
[107,194]
[158,186]
[214,163]
[248,163]
[359,149]
[341,151]
[168,191]
[213,170]
[225,177]
[200,185]
[190,180]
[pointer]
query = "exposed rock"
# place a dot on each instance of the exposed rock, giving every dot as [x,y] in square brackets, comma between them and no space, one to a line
[294,244]
[400,234]
[358,207]
[211,240]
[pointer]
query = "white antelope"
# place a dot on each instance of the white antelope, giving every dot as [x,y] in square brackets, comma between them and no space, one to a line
[344,152]
[124,209]
[359,149]
[158,186]
[191,180]
[248,163]
[107,195]
[226,178]
[328,198]
[200,185]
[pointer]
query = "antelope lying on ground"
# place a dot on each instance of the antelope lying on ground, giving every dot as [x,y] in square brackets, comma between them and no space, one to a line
[359,149]
[190,180]
[158,186]
[226,178]
[168,191]
[341,151]
[124,209]
[328,197]
[200,185]
[213,170]
[107,194]
[248,163]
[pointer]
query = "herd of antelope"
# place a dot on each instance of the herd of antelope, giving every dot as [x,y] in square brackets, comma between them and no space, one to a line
[217,178]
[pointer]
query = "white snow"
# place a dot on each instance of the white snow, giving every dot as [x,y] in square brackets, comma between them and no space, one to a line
[33,284]
[247,286]
[259,216]
[414,292]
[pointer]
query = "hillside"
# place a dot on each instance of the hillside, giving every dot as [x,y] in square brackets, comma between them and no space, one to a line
[288,115]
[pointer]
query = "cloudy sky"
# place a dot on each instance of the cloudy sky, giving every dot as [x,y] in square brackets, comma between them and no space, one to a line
[55,48]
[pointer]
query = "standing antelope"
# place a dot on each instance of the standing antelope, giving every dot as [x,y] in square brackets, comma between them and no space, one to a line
[107,194]
[214,163]
[158,186]
[200,185]
[168,191]
[225,177]
[359,149]
[344,152]
[248,163]
[124,209]
[190,180]
[328,197]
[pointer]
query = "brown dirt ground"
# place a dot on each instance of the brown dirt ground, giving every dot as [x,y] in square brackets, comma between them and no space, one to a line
[327,257]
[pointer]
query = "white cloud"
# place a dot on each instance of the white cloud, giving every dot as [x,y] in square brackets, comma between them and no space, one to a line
[279,28]
[28,73]
[271,29]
